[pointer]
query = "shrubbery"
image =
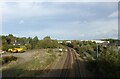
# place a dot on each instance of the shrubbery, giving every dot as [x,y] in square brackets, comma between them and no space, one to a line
[27,43]
[7,59]
[108,62]
[83,47]
[7,46]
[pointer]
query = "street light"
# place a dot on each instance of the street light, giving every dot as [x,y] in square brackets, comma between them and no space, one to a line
[97,50]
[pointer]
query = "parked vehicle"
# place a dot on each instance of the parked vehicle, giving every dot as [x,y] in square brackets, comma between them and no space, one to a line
[16,50]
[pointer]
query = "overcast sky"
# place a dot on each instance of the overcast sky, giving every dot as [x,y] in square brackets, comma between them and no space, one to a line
[61,20]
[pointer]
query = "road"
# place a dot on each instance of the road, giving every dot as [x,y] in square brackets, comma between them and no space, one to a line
[67,66]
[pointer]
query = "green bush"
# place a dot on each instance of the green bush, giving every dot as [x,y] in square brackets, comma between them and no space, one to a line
[24,48]
[7,59]
[107,64]
[6,47]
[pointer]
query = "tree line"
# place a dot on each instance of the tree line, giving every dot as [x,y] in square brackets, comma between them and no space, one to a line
[10,41]
[83,47]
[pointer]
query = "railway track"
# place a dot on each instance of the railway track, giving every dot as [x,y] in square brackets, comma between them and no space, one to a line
[66,67]
[71,67]
[76,64]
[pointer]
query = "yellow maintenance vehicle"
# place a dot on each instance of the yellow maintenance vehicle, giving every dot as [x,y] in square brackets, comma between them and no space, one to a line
[16,50]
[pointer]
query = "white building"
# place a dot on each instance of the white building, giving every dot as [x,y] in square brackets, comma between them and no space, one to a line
[69,42]
[97,41]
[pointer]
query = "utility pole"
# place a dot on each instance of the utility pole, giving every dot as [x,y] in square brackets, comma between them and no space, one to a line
[97,50]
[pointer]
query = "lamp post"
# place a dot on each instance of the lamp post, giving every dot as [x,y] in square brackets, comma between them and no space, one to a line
[97,50]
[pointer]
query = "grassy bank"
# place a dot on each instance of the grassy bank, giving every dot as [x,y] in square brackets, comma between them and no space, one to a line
[34,67]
